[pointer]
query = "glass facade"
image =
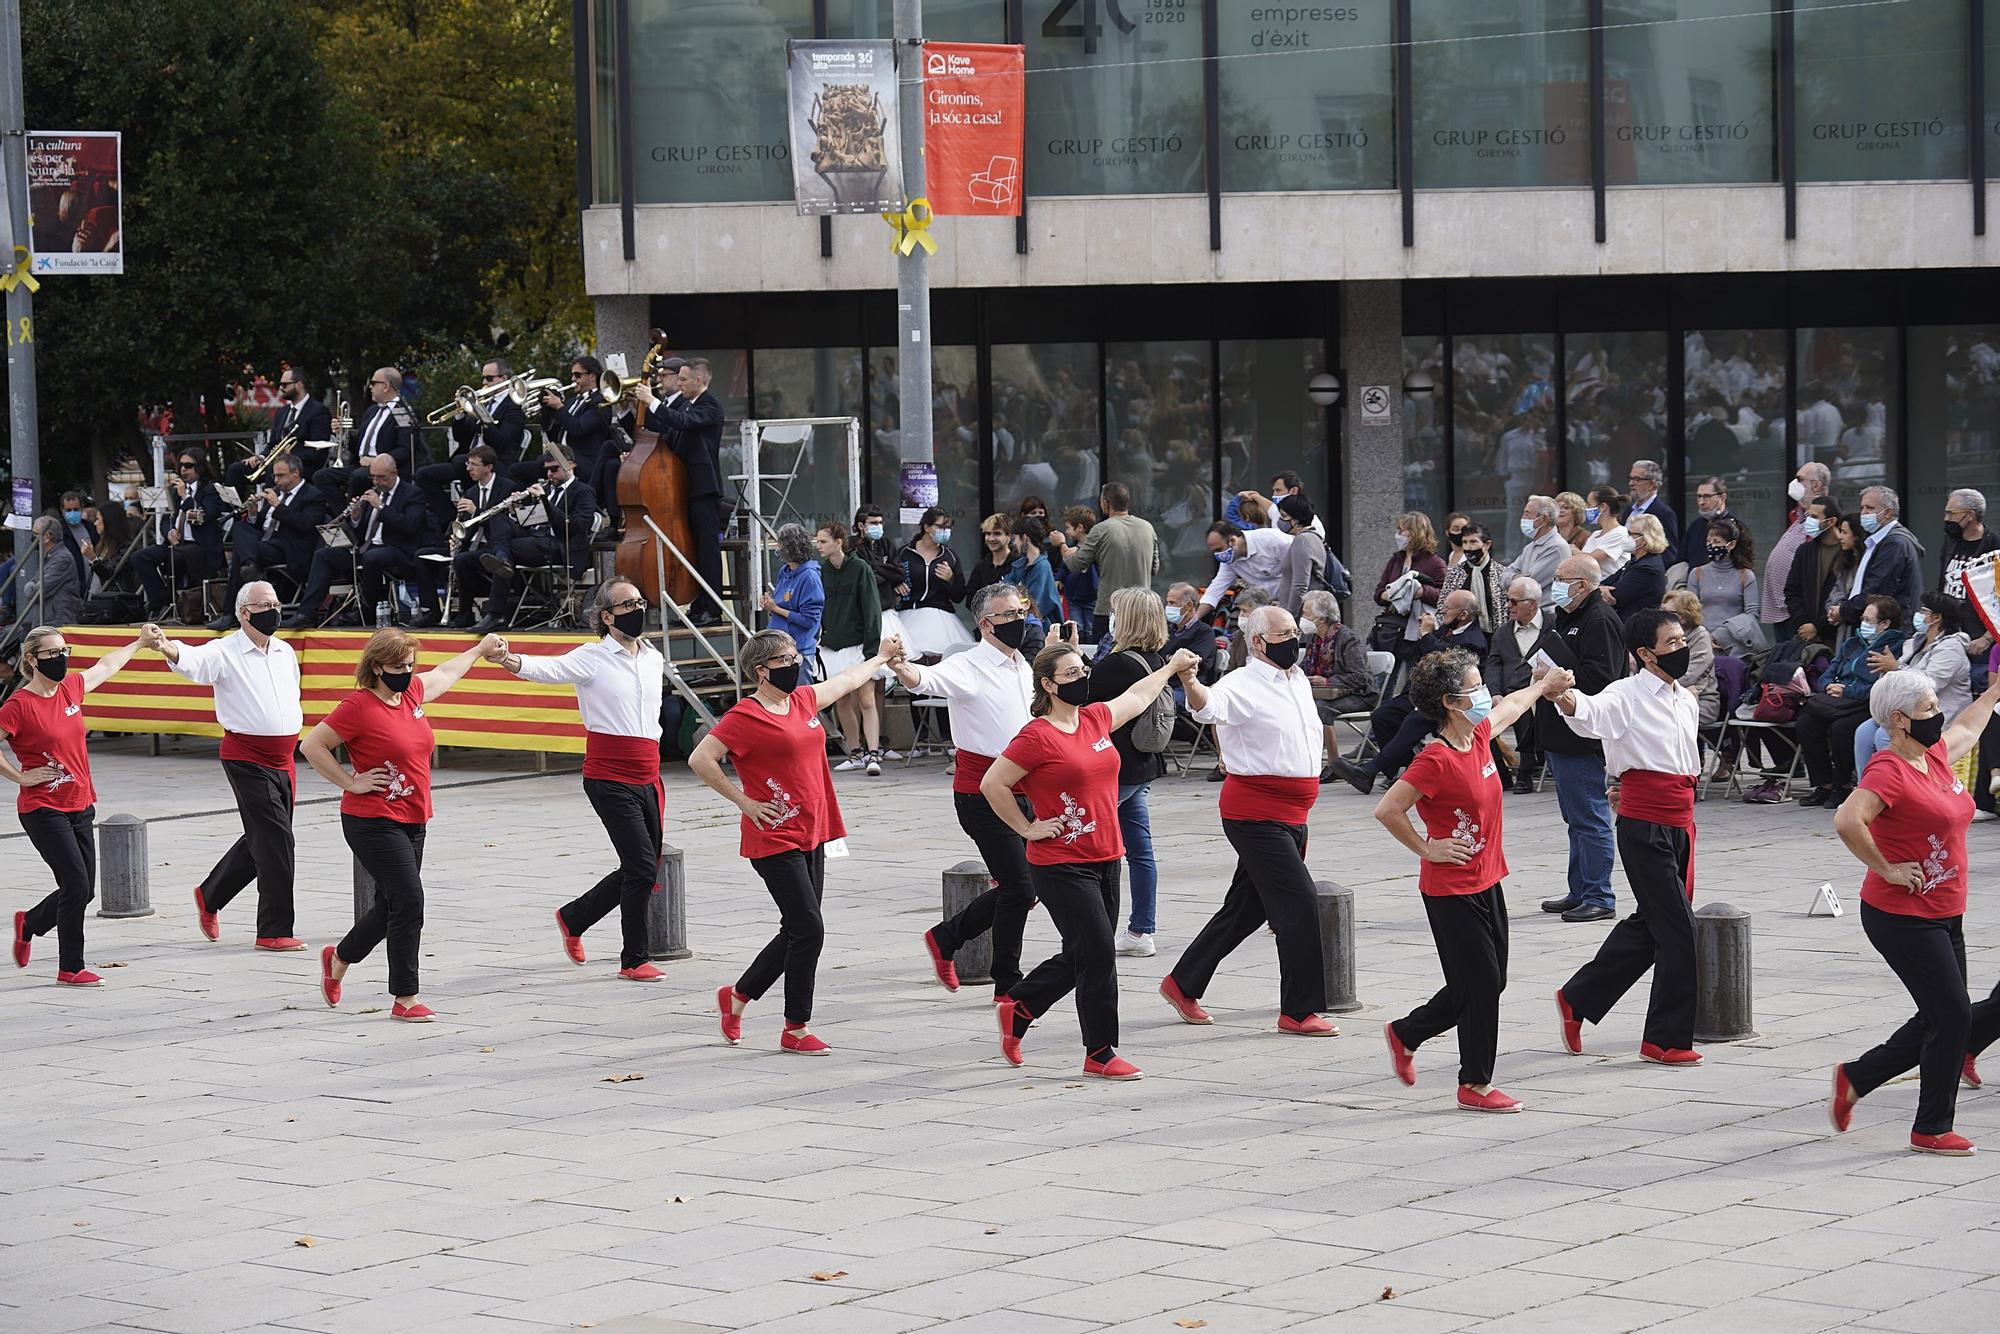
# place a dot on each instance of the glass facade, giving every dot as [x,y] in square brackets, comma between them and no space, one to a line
[1115,97]
[1501,92]
[1615,399]
[1954,423]
[1426,471]
[954,428]
[1308,97]
[1269,424]
[1046,424]
[1733,402]
[1689,93]
[806,382]
[1882,90]
[1157,408]
[1847,405]
[1503,419]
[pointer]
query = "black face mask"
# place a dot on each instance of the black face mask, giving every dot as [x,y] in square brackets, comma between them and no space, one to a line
[1954,531]
[629,623]
[1455,538]
[1282,653]
[1718,555]
[1927,732]
[786,678]
[1074,693]
[53,668]
[1675,664]
[1011,633]
[397,682]
[264,622]
[1475,557]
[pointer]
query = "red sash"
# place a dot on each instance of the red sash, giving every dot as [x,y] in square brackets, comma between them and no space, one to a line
[633,760]
[969,769]
[1658,798]
[272,752]
[1268,797]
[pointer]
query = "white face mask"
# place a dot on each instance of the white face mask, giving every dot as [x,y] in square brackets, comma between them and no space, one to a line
[1797,491]
[1402,541]
[1308,626]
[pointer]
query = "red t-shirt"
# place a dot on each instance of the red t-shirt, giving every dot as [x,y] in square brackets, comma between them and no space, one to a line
[47,730]
[1460,797]
[782,758]
[1072,777]
[1923,820]
[398,737]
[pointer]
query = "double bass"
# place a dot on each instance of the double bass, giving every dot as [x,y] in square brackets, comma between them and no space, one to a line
[652,483]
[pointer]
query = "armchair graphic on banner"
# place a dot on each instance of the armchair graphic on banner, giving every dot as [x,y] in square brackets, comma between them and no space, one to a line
[847,153]
[75,201]
[974,98]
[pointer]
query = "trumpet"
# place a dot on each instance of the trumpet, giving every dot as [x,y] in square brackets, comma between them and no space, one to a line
[462,401]
[611,391]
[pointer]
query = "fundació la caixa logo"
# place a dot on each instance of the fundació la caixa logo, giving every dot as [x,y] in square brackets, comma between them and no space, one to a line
[1088,28]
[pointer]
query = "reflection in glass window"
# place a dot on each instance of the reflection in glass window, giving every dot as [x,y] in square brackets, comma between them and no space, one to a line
[1156,402]
[1308,96]
[1734,392]
[1046,437]
[708,101]
[1616,391]
[1954,426]
[1114,97]
[1881,90]
[954,429]
[805,382]
[603,104]
[1424,467]
[1502,92]
[1688,92]
[1847,406]
[1264,406]
[1504,404]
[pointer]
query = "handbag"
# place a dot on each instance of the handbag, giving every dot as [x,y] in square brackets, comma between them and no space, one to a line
[1777,703]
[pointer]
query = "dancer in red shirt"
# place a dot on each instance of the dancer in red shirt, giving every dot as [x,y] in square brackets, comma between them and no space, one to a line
[387,802]
[790,816]
[1454,784]
[1063,762]
[43,723]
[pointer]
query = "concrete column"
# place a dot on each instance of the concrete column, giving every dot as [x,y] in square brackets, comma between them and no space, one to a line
[1371,458]
[121,866]
[622,322]
[1335,905]
[666,910]
[962,884]
[1722,1010]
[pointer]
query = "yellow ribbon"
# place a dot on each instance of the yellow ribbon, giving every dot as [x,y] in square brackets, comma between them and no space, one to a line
[912,228]
[20,274]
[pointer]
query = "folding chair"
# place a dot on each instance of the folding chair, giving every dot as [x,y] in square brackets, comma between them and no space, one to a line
[1381,669]
[932,708]
[1743,728]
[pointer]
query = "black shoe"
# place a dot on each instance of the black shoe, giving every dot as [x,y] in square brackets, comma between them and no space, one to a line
[462,621]
[1836,795]
[1217,774]
[486,625]
[1819,796]
[1588,912]
[426,620]
[1561,905]
[496,567]
[702,620]
[1524,782]
[223,622]
[346,620]
[1327,775]
[1359,776]
[298,620]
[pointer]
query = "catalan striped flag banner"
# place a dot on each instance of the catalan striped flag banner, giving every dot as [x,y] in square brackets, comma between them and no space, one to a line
[490,709]
[1981,592]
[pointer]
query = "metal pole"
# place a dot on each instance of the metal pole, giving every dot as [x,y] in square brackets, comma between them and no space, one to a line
[21,410]
[913,271]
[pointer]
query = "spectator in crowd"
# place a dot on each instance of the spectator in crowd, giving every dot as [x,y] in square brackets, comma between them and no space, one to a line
[1510,666]
[796,599]
[1640,584]
[1711,502]
[1966,539]
[1415,554]
[1833,713]
[1396,726]
[1140,636]
[1474,570]
[1244,503]
[1726,583]
[1033,507]
[850,629]
[1455,526]
[1610,542]
[1079,587]
[1588,641]
[1812,579]
[873,548]
[1123,549]
[936,580]
[1570,523]
[1305,559]
[50,591]
[1935,649]
[996,553]
[1812,482]
[1546,549]
[1645,479]
[1891,558]
[1186,629]
[1253,559]
[1031,571]
[1336,666]
[1699,678]
[1247,601]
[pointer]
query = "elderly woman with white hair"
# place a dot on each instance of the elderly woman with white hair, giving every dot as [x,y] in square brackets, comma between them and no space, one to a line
[1335,662]
[796,600]
[1906,824]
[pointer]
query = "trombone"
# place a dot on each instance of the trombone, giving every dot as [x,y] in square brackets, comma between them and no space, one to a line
[278,451]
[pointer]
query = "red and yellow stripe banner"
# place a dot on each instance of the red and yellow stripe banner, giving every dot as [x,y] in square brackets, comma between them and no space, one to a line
[489,709]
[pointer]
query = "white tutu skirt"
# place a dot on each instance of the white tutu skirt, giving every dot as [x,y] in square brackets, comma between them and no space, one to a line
[927,630]
[835,660]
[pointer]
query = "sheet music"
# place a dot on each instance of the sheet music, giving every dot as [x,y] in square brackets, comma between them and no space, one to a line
[534,516]
[230,500]
[336,536]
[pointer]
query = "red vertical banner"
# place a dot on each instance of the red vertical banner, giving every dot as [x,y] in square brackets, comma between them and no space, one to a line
[974,120]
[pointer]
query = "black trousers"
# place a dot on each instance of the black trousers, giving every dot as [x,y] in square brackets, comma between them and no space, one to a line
[1826,729]
[1658,935]
[473,581]
[253,551]
[67,841]
[1397,729]
[393,853]
[383,566]
[1002,910]
[603,480]
[1082,900]
[705,519]
[1271,884]
[187,562]
[1928,955]
[1471,935]
[797,881]
[631,815]
[265,853]
[337,481]
[519,547]
[434,481]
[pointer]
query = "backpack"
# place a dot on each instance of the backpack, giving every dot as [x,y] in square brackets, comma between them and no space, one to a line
[1153,731]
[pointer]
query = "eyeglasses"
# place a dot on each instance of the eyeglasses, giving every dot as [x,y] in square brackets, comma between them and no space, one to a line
[381,384]
[1707,495]
[1007,617]
[264,606]
[489,379]
[1519,601]
[578,375]
[629,604]
[189,463]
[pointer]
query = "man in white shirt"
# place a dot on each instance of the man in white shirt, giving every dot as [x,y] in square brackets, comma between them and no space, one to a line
[618,682]
[256,680]
[1648,723]
[1266,723]
[1256,558]
[987,690]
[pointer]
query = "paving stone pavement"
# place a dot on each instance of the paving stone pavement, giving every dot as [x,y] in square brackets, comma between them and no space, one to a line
[173,1140]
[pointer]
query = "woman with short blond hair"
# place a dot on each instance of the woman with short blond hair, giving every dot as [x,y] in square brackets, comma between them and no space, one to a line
[1140,619]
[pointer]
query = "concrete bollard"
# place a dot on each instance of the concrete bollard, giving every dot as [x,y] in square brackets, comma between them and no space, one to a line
[1722,974]
[666,910]
[121,866]
[364,890]
[962,884]
[1335,904]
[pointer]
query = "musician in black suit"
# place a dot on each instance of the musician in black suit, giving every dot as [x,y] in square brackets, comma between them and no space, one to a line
[570,507]
[387,428]
[280,531]
[301,415]
[388,524]
[193,547]
[487,484]
[503,435]
[692,427]
[1510,666]
[580,421]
